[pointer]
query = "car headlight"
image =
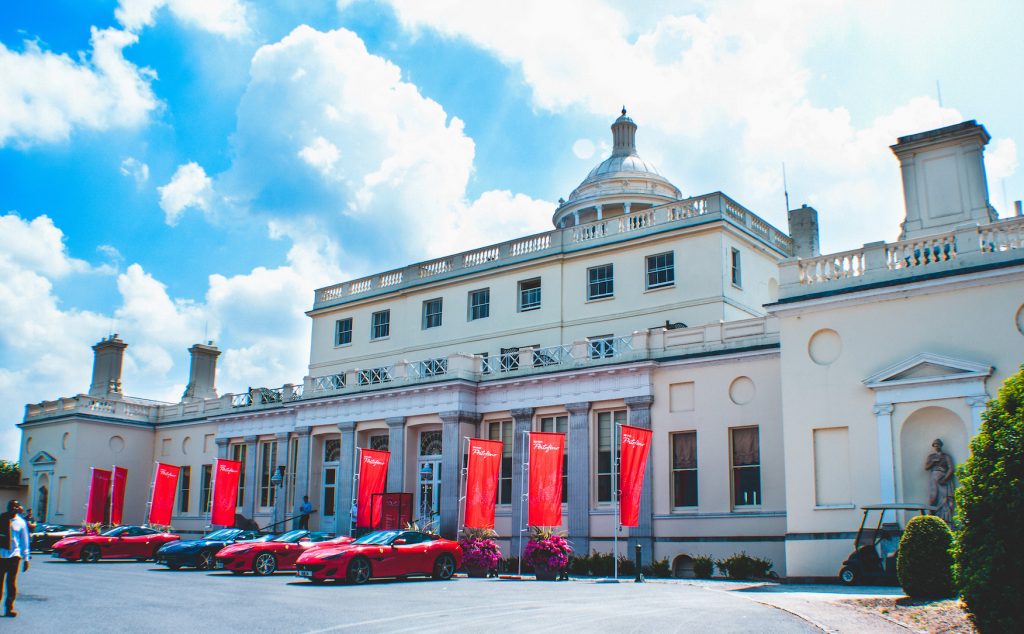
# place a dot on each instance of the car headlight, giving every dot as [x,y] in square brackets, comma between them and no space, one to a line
[333,556]
[240,551]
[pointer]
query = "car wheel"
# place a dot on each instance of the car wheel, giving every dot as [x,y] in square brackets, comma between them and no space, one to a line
[848,576]
[444,567]
[91,554]
[359,570]
[265,564]
[204,560]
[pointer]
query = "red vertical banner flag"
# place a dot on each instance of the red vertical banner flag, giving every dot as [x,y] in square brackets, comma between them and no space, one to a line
[634,447]
[165,481]
[482,473]
[225,492]
[373,475]
[120,482]
[99,496]
[546,479]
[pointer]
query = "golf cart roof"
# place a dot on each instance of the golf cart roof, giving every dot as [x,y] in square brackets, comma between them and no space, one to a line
[898,507]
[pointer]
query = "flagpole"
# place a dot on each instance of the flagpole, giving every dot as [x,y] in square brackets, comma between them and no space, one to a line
[463,487]
[149,503]
[615,500]
[524,495]
[356,455]
[209,498]
[110,506]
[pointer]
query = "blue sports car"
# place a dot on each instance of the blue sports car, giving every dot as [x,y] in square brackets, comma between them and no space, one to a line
[199,553]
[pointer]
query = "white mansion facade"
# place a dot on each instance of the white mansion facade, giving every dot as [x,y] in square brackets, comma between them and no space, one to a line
[784,388]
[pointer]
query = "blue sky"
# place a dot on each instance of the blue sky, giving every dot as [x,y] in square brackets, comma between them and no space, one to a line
[177,171]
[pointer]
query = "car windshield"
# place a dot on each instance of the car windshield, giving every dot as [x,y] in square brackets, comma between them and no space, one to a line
[380,537]
[116,532]
[223,534]
[291,536]
[263,538]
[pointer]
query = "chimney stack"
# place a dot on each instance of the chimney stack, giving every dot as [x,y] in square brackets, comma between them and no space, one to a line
[202,374]
[803,228]
[106,367]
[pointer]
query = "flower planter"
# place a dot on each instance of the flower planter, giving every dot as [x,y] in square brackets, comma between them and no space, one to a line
[477,572]
[546,573]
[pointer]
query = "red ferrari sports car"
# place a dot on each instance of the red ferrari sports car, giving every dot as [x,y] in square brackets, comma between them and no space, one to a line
[123,542]
[280,553]
[383,554]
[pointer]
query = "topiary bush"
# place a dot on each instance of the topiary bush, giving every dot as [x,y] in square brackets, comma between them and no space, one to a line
[703,567]
[923,564]
[989,547]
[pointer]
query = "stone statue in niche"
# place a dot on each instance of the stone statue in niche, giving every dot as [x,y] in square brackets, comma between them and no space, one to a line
[941,483]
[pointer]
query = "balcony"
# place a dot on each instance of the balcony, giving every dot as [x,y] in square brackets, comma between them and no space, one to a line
[679,214]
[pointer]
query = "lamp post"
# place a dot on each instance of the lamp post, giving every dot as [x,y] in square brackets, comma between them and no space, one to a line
[276,480]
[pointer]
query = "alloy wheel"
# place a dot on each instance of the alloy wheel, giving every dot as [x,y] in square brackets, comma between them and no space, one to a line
[444,568]
[265,564]
[359,570]
[205,560]
[90,554]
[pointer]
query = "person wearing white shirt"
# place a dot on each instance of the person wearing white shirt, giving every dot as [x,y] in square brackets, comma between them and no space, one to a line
[14,552]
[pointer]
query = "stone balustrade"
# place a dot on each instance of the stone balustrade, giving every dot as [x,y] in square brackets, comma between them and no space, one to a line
[681,213]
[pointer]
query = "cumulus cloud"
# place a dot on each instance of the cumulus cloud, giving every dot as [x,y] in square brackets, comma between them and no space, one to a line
[136,169]
[221,17]
[44,96]
[188,187]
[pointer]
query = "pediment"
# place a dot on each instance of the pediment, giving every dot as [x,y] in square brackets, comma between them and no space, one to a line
[42,458]
[927,368]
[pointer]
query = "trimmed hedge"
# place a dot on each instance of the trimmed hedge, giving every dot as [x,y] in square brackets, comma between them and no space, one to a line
[923,564]
[989,554]
[743,566]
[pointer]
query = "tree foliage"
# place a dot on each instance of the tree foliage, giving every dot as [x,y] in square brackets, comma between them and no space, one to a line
[989,552]
[10,473]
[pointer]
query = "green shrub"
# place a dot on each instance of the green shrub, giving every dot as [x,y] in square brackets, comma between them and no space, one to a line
[703,567]
[579,565]
[659,569]
[923,563]
[743,566]
[602,564]
[989,547]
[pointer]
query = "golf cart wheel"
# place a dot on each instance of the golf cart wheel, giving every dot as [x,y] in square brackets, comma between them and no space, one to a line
[848,576]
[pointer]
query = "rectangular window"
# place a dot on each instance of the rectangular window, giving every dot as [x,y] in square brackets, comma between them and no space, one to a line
[661,270]
[268,462]
[205,487]
[238,453]
[606,435]
[601,347]
[379,442]
[560,424]
[432,313]
[684,469]
[184,488]
[343,332]
[746,466]
[503,431]
[600,281]
[381,325]
[737,273]
[330,490]
[529,295]
[479,304]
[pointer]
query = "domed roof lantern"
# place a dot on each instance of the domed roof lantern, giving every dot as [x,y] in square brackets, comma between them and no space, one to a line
[624,136]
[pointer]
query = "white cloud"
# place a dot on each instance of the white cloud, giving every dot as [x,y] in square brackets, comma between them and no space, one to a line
[135,168]
[321,154]
[44,96]
[188,187]
[583,148]
[220,17]
[36,245]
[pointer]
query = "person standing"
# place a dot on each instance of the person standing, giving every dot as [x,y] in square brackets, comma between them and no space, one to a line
[14,552]
[305,511]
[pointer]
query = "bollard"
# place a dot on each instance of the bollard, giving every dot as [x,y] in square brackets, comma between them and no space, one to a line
[639,571]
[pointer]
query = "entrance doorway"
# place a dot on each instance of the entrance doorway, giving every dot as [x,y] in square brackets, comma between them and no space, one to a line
[330,497]
[428,493]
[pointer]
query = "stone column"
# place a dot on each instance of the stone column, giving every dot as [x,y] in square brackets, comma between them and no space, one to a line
[280,509]
[886,468]
[640,416]
[523,420]
[396,445]
[346,474]
[579,476]
[977,405]
[301,469]
[249,490]
[222,447]
[451,459]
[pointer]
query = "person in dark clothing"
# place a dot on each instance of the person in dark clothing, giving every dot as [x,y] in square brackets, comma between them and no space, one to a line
[14,552]
[304,511]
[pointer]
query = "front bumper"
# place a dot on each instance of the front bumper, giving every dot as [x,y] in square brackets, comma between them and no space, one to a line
[176,559]
[237,564]
[319,571]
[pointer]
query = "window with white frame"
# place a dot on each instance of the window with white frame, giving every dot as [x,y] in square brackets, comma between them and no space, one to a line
[479,304]
[380,324]
[432,313]
[503,431]
[379,442]
[684,469]
[560,424]
[268,462]
[746,466]
[736,272]
[600,281]
[529,294]
[205,488]
[184,488]
[343,332]
[661,270]
[238,454]
[606,449]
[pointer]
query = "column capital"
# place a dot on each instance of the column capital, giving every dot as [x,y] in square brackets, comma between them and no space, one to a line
[281,435]
[978,401]
[522,412]
[883,409]
[460,416]
[250,440]
[395,421]
[639,402]
[302,431]
[349,425]
[578,408]
[222,442]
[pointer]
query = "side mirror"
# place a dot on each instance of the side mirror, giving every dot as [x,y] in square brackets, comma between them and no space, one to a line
[398,542]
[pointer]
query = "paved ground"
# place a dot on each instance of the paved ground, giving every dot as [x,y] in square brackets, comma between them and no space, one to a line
[109,597]
[819,604]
